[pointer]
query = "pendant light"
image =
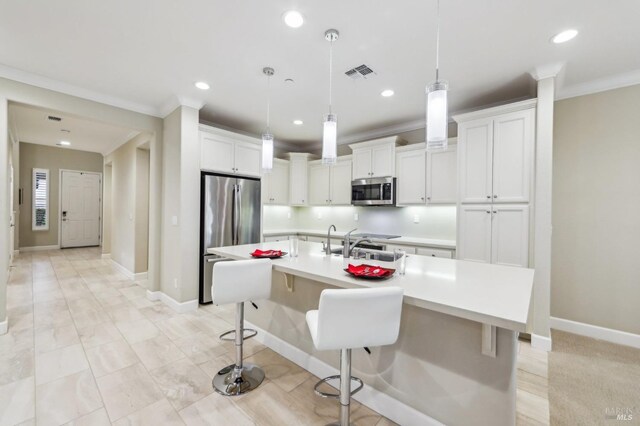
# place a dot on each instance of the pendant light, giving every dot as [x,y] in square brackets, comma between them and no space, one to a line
[437,120]
[330,125]
[267,137]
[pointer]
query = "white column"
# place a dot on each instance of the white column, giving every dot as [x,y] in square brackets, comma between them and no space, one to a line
[541,333]
[4,212]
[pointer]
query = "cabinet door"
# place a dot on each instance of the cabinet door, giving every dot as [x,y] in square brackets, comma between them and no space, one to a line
[318,184]
[512,154]
[361,163]
[340,190]
[298,183]
[411,176]
[383,160]
[442,176]
[432,252]
[474,236]
[248,158]
[265,188]
[279,183]
[216,154]
[475,146]
[510,235]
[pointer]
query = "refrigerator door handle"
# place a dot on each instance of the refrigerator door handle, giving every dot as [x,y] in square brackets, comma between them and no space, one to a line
[236,214]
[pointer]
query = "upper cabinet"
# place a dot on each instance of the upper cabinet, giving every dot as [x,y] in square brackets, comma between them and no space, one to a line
[496,154]
[426,177]
[226,152]
[275,184]
[298,181]
[330,185]
[374,158]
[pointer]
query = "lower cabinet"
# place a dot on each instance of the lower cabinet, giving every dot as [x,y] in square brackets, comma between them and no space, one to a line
[433,252]
[493,233]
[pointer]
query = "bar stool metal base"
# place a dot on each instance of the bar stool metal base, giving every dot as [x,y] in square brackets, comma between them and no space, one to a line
[336,395]
[233,381]
[247,333]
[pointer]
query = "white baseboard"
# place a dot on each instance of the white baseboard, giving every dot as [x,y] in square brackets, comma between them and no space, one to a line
[105,256]
[596,332]
[127,273]
[384,404]
[39,248]
[16,252]
[541,342]
[140,276]
[4,326]
[180,307]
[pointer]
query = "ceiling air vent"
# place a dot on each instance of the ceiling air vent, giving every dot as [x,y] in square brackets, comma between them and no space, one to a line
[54,118]
[362,71]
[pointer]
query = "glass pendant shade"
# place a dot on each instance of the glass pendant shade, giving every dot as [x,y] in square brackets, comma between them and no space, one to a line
[437,122]
[330,139]
[267,152]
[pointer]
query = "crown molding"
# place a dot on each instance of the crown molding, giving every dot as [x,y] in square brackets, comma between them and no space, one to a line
[547,71]
[381,132]
[178,101]
[600,85]
[73,90]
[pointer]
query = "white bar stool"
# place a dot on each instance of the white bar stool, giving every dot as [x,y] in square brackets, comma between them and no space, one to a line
[353,318]
[238,282]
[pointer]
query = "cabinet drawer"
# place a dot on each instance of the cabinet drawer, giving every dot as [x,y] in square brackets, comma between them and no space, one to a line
[407,249]
[276,238]
[434,252]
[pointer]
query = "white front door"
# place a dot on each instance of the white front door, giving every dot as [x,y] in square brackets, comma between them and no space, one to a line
[80,209]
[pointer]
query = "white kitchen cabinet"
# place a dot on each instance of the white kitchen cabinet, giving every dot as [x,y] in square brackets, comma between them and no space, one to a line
[330,185]
[494,233]
[222,153]
[442,176]
[496,154]
[298,179]
[275,184]
[434,252]
[275,238]
[510,235]
[411,177]
[407,249]
[374,158]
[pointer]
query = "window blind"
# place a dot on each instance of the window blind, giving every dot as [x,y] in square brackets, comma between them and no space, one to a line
[40,199]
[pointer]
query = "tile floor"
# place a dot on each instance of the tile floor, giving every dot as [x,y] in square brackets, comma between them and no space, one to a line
[86,347]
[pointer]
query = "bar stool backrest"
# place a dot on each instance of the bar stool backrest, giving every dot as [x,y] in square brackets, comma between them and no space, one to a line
[355,318]
[241,281]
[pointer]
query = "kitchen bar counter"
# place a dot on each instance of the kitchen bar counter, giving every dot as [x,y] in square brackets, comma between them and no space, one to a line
[455,360]
[409,241]
[490,294]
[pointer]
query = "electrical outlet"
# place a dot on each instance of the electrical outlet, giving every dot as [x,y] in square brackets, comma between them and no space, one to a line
[175,282]
[288,215]
[319,215]
[174,220]
[416,218]
[355,217]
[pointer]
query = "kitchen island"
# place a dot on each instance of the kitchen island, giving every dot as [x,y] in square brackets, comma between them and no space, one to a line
[455,359]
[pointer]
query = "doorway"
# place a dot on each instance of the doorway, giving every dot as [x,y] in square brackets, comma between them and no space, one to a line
[79,208]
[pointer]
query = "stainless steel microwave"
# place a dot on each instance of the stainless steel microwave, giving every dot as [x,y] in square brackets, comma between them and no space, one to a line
[374,191]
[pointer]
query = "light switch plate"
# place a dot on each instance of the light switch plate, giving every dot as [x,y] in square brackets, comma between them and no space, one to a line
[319,215]
[174,220]
[288,215]
[355,217]
[416,218]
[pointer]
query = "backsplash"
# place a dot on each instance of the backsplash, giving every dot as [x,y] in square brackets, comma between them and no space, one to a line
[438,222]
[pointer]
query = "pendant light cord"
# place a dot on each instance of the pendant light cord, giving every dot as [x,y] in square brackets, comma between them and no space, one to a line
[268,103]
[437,39]
[330,73]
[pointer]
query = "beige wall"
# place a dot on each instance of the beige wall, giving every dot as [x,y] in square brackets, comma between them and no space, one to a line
[54,159]
[142,210]
[129,207]
[596,210]
[4,207]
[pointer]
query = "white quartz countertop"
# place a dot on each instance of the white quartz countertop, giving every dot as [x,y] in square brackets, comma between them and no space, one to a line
[410,241]
[490,294]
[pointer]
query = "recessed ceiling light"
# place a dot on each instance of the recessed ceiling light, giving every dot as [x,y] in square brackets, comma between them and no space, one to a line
[293,19]
[202,85]
[564,36]
[64,143]
[387,93]
[298,122]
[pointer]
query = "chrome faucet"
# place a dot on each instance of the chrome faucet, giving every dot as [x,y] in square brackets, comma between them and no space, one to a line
[347,247]
[327,246]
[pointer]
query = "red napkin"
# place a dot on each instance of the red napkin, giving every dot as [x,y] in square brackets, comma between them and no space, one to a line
[369,271]
[266,253]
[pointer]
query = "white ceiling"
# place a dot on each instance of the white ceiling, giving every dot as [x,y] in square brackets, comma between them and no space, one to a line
[32,125]
[144,55]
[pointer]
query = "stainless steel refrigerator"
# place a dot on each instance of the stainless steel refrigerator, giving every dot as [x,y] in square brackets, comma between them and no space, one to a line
[229,215]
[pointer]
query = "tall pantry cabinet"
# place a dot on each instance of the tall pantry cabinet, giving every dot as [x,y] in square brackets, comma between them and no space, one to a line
[495,180]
